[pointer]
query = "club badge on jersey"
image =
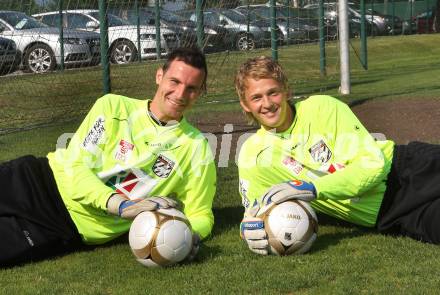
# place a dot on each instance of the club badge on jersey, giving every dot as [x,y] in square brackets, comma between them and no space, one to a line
[320,152]
[163,166]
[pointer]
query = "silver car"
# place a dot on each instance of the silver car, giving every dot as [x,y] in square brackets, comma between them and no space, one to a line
[40,46]
[122,35]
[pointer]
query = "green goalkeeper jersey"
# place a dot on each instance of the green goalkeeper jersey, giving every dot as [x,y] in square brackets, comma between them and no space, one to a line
[328,146]
[120,148]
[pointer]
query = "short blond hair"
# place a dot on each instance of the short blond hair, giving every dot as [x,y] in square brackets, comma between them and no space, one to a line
[257,68]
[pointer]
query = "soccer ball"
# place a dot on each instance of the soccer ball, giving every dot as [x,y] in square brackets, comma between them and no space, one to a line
[160,238]
[291,227]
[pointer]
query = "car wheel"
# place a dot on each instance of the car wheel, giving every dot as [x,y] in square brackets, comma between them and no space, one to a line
[39,59]
[123,52]
[245,42]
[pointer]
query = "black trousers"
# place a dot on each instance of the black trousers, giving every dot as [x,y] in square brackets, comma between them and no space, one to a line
[34,222]
[411,205]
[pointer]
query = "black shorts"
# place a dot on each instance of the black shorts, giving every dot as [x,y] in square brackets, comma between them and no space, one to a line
[34,222]
[411,205]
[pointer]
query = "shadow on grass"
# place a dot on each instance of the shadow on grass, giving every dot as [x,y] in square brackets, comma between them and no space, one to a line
[226,218]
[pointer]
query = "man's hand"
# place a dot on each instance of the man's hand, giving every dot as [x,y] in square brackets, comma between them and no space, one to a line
[195,248]
[252,231]
[119,205]
[290,190]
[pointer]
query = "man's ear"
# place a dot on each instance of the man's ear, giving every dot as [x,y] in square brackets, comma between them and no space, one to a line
[244,106]
[159,75]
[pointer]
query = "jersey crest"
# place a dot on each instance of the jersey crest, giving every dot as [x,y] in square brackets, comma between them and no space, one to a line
[320,152]
[163,166]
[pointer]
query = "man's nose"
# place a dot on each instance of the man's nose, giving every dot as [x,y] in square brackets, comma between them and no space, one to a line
[267,102]
[181,91]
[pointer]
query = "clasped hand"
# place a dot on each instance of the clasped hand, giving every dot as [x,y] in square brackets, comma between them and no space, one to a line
[252,226]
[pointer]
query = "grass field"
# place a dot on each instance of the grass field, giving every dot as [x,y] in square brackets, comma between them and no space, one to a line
[345,259]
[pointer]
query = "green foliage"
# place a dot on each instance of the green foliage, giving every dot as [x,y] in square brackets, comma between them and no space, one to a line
[28,6]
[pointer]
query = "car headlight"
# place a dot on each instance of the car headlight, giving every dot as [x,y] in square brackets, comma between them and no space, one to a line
[210,31]
[74,41]
[150,37]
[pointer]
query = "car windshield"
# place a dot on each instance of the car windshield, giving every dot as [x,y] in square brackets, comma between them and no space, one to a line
[171,17]
[253,16]
[113,20]
[21,21]
[234,16]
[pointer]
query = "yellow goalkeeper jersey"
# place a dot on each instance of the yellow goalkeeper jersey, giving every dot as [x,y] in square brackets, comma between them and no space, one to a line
[328,146]
[119,148]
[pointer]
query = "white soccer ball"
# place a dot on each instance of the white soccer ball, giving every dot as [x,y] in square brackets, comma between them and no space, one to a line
[160,238]
[291,227]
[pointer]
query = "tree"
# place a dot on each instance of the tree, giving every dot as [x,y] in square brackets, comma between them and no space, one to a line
[26,6]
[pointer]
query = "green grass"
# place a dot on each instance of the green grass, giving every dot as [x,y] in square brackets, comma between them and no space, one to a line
[345,259]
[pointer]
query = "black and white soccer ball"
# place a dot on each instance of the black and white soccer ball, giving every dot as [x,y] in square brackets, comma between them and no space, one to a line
[160,238]
[291,227]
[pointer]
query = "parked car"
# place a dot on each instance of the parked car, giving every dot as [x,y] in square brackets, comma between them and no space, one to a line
[39,44]
[123,40]
[425,22]
[9,56]
[185,29]
[236,23]
[382,23]
[331,18]
[301,27]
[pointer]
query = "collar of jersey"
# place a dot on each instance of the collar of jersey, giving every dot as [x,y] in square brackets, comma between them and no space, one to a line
[163,127]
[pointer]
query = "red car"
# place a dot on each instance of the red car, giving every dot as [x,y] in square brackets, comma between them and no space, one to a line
[425,22]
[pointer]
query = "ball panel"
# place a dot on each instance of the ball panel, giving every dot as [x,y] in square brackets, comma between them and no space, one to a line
[291,227]
[142,230]
[148,262]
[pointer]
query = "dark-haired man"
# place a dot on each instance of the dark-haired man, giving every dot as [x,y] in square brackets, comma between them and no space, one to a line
[126,157]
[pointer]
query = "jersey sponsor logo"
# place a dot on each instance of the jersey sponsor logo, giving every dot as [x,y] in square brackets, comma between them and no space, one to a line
[124,150]
[94,135]
[293,165]
[296,182]
[163,166]
[133,183]
[320,152]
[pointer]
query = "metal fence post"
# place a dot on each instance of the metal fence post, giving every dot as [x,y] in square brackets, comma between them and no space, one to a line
[103,27]
[157,21]
[322,57]
[138,27]
[287,4]
[364,56]
[60,25]
[344,47]
[427,16]
[199,19]
[273,31]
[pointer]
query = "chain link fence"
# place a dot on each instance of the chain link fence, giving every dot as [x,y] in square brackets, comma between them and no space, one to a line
[64,54]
